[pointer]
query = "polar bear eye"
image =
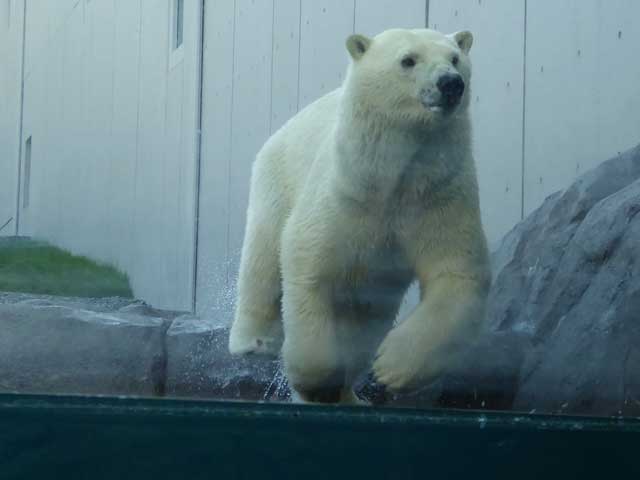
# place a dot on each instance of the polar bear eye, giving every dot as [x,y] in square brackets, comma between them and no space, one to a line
[408,62]
[455,60]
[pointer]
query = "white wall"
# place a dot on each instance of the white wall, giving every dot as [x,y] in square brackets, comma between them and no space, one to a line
[112,110]
[11,23]
[565,74]
[582,90]
[264,61]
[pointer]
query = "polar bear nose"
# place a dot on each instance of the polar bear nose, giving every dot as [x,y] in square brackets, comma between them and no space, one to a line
[452,87]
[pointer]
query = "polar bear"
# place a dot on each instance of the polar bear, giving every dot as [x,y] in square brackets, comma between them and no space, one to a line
[364,191]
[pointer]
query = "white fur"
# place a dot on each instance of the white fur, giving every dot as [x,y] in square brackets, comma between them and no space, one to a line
[362,192]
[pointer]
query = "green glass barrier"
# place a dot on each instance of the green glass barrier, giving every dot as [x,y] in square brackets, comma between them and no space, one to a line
[48,437]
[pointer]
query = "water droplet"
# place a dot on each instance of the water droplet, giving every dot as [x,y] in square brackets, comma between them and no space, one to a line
[482,421]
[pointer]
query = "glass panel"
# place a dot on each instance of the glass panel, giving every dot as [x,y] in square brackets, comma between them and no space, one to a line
[324,201]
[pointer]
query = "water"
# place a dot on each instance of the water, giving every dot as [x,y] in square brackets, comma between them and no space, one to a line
[278,389]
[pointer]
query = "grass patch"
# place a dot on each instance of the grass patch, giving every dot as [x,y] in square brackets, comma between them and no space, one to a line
[30,266]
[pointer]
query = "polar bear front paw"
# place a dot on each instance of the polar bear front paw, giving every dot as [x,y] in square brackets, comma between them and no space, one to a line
[401,362]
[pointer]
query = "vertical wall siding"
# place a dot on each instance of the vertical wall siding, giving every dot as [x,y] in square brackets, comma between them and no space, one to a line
[112,112]
[583,89]
[372,18]
[324,26]
[217,108]
[285,61]
[251,115]
[11,28]
[578,102]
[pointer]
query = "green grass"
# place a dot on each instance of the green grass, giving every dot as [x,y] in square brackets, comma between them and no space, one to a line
[30,266]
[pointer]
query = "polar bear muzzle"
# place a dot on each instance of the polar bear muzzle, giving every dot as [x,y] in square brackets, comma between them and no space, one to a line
[451,88]
[447,95]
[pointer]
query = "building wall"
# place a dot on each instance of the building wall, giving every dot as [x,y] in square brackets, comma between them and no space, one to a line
[111,109]
[11,28]
[582,89]
[112,112]
[556,93]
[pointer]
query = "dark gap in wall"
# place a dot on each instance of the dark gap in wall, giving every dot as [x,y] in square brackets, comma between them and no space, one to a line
[20,131]
[273,46]
[426,14]
[196,226]
[233,74]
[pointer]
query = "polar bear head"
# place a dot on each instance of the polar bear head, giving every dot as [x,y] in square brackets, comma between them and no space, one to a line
[413,75]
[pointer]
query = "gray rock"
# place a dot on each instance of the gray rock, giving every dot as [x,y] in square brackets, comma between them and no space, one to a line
[489,374]
[60,349]
[199,365]
[568,279]
[139,307]
[103,304]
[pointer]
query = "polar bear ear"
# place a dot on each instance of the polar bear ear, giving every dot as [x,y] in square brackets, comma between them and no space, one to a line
[464,39]
[358,46]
